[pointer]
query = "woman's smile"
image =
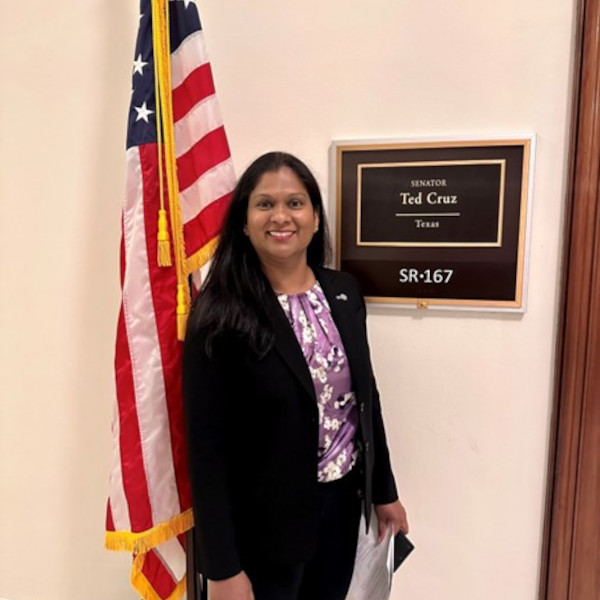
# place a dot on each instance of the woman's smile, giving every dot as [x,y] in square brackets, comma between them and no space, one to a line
[281,235]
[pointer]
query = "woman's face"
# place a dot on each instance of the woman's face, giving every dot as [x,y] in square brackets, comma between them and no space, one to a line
[281,220]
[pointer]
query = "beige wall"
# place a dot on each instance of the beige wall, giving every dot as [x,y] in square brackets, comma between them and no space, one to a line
[466,396]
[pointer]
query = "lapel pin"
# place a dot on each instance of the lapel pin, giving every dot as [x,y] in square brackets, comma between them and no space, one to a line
[341,297]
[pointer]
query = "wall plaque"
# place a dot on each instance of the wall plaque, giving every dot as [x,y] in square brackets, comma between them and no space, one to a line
[435,223]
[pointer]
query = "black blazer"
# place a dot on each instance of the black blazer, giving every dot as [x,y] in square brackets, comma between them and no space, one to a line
[253,434]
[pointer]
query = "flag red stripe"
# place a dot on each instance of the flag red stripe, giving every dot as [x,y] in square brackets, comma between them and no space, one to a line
[163,282]
[208,152]
[132,460]
[198,85]
[206,225]
[156,573]
[110,525]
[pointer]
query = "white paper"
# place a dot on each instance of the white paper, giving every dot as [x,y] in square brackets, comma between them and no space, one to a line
[373,566]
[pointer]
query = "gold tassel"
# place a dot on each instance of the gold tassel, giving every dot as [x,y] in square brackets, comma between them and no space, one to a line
[164,243]
[182,312]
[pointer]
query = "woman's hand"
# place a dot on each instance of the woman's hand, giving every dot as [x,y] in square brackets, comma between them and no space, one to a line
[237,587]
[392,514]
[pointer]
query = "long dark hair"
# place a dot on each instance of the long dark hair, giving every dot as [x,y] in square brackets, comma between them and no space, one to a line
[234,297]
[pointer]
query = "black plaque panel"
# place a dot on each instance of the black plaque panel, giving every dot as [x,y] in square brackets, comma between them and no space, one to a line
[434,223]
[458,203]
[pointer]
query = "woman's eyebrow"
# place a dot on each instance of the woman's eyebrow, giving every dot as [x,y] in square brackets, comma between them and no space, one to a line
[266,195]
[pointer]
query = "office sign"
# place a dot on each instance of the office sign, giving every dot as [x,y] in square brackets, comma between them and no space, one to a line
[434,223]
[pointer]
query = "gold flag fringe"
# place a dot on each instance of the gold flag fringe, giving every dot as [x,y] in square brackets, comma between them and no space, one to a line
[200,258]
[144,587]
[138,543]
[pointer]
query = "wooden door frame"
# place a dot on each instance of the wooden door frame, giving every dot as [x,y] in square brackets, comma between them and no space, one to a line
[571,549]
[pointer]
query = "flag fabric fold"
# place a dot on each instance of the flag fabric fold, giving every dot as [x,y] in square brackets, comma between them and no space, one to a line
[149,506]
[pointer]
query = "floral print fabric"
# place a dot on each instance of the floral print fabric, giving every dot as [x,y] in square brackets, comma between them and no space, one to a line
[310,317]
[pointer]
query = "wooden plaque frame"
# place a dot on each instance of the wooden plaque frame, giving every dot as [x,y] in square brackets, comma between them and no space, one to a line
[397,233]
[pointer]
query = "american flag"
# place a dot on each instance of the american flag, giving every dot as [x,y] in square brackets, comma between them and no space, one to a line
[149,506]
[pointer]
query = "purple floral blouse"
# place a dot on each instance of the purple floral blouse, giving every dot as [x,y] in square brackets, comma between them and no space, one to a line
[310,317]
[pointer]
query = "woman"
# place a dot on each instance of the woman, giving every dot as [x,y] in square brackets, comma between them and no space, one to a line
[286,440]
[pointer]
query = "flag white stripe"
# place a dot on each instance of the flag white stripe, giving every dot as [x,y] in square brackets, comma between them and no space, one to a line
[211,186]
[144,349]
[187,58]
[201,120]
[118,500]
[199,275]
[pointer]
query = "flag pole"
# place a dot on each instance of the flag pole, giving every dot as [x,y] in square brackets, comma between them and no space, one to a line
[191,575]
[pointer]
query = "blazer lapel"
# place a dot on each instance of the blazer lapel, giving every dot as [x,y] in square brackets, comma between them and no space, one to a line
[343,311]
[288,347]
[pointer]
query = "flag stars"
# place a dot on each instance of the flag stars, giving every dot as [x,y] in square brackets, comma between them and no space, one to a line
[138,65]
[143,113]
